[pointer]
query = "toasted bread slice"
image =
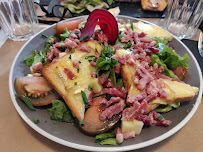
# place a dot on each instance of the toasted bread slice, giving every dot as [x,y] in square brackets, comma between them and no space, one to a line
[69,89]
[172,88]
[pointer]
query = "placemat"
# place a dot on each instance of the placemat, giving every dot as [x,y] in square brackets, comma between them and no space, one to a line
[192,45]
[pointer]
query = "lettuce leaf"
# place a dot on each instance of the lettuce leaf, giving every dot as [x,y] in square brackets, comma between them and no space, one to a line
[159,39]
[155,59]
[170,58]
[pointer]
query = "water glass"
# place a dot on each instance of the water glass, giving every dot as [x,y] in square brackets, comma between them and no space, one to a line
[18,19]
[183,17]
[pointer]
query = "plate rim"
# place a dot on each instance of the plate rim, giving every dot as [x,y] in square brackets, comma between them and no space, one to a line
[111,148]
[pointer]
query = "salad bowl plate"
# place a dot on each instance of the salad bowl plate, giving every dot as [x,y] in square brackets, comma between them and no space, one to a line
[69,135]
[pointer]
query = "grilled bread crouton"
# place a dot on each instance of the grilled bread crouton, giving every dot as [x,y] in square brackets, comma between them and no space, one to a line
[172,88]
[70,87]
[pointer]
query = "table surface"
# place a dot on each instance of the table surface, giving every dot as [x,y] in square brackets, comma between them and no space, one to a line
[17,136]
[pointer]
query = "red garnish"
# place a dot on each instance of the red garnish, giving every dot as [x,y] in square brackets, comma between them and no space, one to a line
[107,23]
[69,73]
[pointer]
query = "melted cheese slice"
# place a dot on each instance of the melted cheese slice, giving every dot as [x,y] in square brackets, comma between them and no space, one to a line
[149,29]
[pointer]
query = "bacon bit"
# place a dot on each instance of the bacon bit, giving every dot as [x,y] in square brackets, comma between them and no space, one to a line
[101,37]
[131,59]
[92,63]
[120,136]
[117,46]
[90,100]
[93,74]
[115,92]
[37,67]
[134,111]
[50,55]
[131,99]
[154,50]
[117,69]
[55,51]
[69,74]
[142,34]
[83,47]
[59,45]
[146,40]
[70,44]
[121,60]
[102,78]
[75,64]
[112,110]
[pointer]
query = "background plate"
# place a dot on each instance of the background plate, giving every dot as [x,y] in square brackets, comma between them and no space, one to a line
[69,135]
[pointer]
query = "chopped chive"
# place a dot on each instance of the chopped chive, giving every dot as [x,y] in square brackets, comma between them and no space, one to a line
[36,121]
[80,62]
[77,32]
[44,36]
[131,25]
[70,57]
[28,103]
[90,56]
[98,31]
[84,97]
[75,83]
[100,43]
[54,121]
[89,60]
[159,118]
[85,37]
[81,123]
[70,48]
[78,70]
[99,95]
[62,46]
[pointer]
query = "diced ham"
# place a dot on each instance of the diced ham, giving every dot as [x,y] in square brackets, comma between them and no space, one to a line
[92,63]
[75,64]
[146,40]
[101,37]
[130,59]
[37,67]
[131,99]
[90,98]
[128,135]
[112,101]
[119,135]
[115,92]
[55,51]
[93,74]
[117,46]
[102,78]
[70,44]
[50,55]
[142,34]
[83,47]
[69,73]
[112,110]
[126,39]
[134,111]
[117,69]
[59,45]
[121,60]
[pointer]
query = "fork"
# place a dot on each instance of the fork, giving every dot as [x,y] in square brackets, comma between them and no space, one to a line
[200,48]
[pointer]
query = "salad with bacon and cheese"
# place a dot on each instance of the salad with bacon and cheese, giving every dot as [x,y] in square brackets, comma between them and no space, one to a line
[108,76]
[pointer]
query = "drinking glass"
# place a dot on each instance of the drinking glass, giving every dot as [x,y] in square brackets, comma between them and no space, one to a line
[18,19]
[183,17]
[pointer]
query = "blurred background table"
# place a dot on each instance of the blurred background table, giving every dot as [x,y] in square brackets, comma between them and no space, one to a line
[17,136]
